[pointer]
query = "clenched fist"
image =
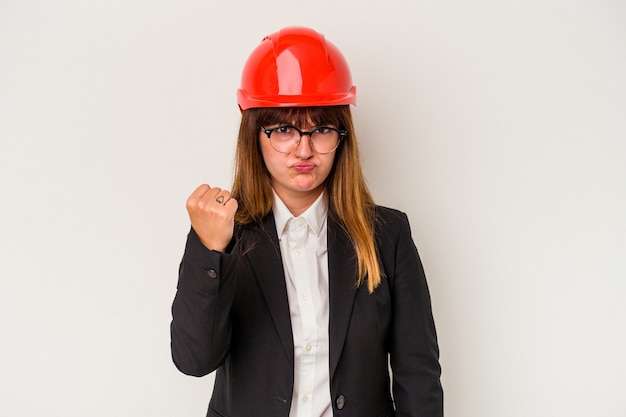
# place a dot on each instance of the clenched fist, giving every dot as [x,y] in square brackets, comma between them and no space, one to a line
[212,215]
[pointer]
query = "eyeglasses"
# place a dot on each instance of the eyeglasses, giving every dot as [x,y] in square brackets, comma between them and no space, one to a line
[286,139]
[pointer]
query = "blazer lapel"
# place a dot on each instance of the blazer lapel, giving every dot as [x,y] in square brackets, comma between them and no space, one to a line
[268,269]
[342,288]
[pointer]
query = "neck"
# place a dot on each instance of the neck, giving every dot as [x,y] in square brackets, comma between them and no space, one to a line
[298,203]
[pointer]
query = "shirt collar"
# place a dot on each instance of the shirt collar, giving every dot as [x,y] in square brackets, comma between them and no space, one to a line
[315,215]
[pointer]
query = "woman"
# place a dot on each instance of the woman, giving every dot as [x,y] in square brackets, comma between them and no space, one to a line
[296,287]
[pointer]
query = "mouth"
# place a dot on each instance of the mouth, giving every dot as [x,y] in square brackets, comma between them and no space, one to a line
[303,168]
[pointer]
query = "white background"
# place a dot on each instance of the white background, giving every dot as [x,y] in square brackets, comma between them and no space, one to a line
[498,126]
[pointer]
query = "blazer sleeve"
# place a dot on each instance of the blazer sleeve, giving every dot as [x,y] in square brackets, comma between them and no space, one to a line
[200,327]
[414,351]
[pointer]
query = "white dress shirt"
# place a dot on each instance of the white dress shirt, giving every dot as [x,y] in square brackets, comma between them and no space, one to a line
[303,245]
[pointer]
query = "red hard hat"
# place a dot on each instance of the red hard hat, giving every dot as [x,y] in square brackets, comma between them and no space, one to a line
[295,67]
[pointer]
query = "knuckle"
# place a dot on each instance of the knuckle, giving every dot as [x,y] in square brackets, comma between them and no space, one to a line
[192,204]
[203,206]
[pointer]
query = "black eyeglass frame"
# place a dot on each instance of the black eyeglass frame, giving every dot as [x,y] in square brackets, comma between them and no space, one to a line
[342,135]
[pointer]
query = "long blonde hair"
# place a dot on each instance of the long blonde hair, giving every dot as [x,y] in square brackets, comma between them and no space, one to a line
[253,190]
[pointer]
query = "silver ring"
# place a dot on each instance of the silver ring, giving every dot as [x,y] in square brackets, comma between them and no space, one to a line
[220,199]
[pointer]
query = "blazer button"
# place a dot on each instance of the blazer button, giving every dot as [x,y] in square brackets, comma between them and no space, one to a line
[211,273]
[341,402]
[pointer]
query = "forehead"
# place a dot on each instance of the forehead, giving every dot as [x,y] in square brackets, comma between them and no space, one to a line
[299,116]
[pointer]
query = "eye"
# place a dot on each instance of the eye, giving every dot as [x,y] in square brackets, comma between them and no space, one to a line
[284,130]
[322,130]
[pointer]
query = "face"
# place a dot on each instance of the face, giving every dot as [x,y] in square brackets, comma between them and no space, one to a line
[298,175]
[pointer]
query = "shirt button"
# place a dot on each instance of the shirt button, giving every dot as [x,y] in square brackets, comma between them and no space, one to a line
[305,399]
[341,402]
[304,297]
[211,273]
[308,347]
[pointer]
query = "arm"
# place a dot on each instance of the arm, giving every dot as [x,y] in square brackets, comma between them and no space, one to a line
[414,352]
[200,328]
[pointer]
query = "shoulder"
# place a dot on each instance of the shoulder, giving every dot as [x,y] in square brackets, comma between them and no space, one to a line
[248,236]
[390,216]
[391,222]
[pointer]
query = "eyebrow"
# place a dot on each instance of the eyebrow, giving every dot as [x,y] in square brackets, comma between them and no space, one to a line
[313,126]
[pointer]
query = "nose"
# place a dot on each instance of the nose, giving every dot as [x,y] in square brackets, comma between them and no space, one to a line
[304,147]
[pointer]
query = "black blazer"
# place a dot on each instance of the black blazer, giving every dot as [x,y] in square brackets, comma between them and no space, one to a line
[231,313]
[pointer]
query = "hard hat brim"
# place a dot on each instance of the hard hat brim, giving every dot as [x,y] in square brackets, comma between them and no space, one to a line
[247,101]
